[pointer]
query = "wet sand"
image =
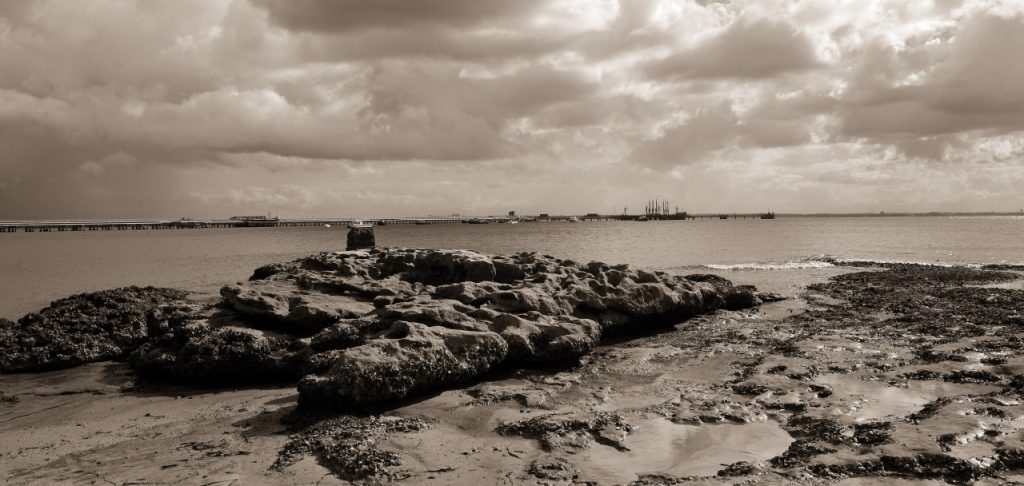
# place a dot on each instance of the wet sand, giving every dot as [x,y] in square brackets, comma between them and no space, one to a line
[799,391]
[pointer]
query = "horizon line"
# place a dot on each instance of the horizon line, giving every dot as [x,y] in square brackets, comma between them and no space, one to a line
[556,215]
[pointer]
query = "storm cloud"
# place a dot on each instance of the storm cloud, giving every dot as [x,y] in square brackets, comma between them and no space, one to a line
[356,107]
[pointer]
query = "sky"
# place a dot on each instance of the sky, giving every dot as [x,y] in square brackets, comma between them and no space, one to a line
[333,108]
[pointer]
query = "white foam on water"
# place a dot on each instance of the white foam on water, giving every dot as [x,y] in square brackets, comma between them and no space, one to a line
[790,265]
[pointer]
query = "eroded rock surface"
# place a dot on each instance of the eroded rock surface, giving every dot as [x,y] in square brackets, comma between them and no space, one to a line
[407,359]
[444,318]
[369,326]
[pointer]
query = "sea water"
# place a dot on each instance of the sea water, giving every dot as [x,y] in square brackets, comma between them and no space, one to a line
[780,255]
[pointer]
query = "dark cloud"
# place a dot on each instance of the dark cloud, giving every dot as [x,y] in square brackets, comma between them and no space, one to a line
[747,49]
[368,30]
[332,16]
[14,12]
[429,41]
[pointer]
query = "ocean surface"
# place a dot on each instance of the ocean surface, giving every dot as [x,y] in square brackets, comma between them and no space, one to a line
[778,255]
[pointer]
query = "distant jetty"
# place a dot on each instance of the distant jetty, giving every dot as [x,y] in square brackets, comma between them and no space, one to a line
[186,223]
[28,226]
[265,222]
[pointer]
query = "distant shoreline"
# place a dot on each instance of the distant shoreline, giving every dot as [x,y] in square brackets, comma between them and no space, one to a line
[886,214]
[701,214]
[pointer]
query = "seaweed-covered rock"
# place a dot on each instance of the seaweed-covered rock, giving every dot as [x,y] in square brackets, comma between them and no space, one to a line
[347,445]
[653,304]
[919,466]
[570,430]
[82,328]
[339,336]
[409,358]
[437,267]
[741,297]
[198,353]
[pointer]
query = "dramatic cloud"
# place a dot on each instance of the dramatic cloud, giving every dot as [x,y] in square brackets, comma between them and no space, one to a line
[973,85]
[384,107]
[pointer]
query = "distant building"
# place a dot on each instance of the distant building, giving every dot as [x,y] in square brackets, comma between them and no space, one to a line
[543,215]
[511,214]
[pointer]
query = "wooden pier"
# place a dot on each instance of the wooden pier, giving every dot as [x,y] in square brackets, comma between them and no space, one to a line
[140,225]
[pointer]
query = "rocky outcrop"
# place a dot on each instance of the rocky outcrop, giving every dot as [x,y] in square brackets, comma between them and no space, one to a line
[408,358]
[83,328]
[288,309]
[536,339]
[522,310]
[198,353]
[369,326]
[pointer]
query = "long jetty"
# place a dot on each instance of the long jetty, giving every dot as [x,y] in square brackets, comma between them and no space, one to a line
[146,224]
[155,224]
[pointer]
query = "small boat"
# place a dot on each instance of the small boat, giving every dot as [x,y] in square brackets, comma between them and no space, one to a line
[513,221]
[643,218]
[326,225]
[360,224]
[723,216]
[574,219]
[768,215]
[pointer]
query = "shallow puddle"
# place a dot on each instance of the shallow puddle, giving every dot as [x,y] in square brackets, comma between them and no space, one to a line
[782,309]
[658,446]
[877,400]
[710,370]
[93,378]
[634,399]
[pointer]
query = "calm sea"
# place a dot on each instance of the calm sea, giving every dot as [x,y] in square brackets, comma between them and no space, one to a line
[36,268]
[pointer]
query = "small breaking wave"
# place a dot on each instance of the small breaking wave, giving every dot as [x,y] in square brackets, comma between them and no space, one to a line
[829,261]
[864,262]
[790,265]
